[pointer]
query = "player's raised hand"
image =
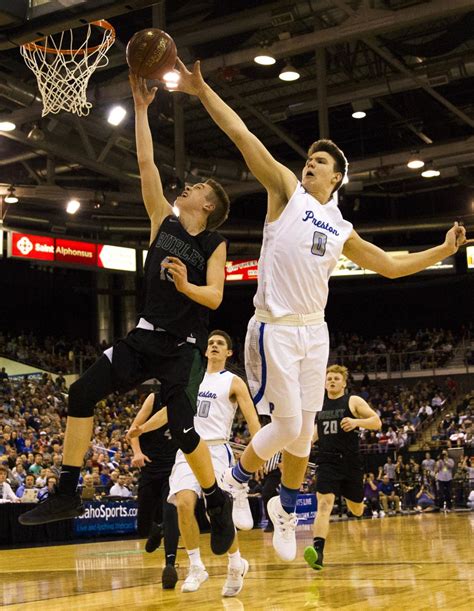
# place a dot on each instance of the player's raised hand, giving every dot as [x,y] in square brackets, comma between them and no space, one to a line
[139,459]
[456,237]
[142,96]
[349,424]
[191,83]
[178,272]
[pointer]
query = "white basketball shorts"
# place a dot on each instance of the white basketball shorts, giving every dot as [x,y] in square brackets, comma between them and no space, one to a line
[286,367]
[183,478]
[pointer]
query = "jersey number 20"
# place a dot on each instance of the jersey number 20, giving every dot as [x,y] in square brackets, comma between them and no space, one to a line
[330,427]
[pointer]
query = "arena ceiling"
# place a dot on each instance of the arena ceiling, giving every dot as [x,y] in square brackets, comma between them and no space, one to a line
[409,63]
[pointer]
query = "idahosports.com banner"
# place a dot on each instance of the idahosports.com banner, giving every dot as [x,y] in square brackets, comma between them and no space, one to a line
[99,518]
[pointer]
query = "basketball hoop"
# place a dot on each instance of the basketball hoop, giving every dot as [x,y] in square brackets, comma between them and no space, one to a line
[63,70]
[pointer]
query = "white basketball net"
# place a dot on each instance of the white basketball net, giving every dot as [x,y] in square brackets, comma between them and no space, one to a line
[63,69]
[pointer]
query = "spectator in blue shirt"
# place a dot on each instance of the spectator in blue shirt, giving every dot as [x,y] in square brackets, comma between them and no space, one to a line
[387,494]
[51,484]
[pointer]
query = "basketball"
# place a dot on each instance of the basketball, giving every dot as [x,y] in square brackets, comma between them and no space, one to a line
[151,53]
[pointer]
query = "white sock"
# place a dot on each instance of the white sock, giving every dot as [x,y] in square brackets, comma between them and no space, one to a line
[195,557]
[235,560]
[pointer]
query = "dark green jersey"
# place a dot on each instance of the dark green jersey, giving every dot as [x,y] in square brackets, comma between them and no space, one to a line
[332,439]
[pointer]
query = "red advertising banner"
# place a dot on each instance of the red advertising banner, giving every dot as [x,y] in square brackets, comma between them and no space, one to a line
[242,270]
[28,246]
[87,254]
[78,253]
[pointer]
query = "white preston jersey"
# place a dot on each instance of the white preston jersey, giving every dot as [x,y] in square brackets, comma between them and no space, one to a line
[215,411]
[299,253]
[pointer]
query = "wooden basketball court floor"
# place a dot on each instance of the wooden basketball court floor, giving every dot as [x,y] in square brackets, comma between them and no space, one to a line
[408,562]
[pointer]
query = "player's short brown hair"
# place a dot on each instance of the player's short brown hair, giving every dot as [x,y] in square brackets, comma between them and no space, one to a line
[340,161]
[222,203]
[223,334]
[338,369]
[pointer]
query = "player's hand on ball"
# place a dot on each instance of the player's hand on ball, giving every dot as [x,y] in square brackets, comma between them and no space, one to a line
[139,459]
[348,424]
[191,83]
[456,237]
[178,271]
[142,96]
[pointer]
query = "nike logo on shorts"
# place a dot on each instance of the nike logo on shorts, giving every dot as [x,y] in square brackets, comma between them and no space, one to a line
[187,430]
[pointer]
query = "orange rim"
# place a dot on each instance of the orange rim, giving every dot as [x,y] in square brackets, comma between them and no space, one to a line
[34,46]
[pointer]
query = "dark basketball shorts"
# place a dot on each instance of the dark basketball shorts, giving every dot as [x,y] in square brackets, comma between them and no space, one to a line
[145,354]
[341,481]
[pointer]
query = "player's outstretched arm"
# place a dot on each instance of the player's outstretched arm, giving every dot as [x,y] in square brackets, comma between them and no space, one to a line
[139,459]
[372,257]
[275,177]
[241,393]
[156,205]
[155,422]
[209,295]
[365,418]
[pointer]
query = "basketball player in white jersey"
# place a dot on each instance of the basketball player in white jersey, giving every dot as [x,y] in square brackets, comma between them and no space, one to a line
[220,393]
[287,342]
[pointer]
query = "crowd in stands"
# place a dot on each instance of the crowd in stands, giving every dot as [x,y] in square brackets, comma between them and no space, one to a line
[404,349]
[52,354]
[425,349]
[423,486]
[32,423]
[405,411]
[456,429]
[33,415]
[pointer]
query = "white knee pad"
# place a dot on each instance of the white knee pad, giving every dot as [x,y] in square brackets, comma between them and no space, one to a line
[274,436]
[301,446]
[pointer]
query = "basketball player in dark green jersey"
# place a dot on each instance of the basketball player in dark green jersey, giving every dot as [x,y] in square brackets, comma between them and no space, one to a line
[340,469]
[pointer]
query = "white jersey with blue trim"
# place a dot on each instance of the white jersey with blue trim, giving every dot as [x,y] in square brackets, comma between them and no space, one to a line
[215,411]
[299,252]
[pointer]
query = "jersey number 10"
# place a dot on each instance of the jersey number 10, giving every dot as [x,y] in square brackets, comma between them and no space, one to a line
[203,408]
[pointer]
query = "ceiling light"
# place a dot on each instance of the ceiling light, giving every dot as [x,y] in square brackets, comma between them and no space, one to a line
[415,162]
[72,206]
[264,59]
[289,73]
[171,80]
[11,198]
[359,108]
[430,171]
[116,115]
[172,76]
[7,126]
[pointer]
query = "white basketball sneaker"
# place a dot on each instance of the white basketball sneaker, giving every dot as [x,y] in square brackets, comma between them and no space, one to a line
[241,514]
[197,575]
[284,536]
[235,579]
